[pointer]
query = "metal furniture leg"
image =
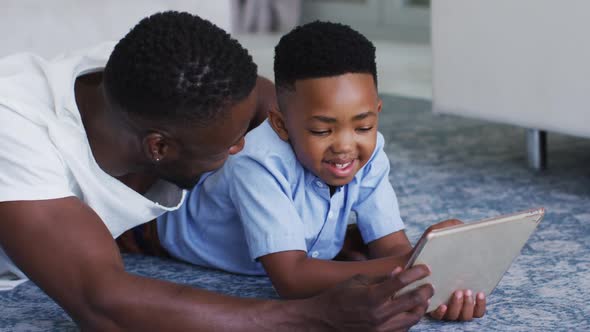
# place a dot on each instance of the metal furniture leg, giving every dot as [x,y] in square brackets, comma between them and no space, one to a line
[537,148]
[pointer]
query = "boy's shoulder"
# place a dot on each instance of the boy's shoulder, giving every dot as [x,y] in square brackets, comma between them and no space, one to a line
[264,147]
[263,141]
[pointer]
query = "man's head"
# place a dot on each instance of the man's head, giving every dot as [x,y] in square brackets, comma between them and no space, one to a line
[186,87]
[326,81]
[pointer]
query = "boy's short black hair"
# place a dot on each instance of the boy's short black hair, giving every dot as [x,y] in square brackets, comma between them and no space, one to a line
[175,66]
[322,49]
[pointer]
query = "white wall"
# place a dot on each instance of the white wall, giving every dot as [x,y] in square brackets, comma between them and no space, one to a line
[524,62]
[50,27]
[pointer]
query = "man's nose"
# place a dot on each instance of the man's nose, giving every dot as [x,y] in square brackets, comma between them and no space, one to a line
[239,146]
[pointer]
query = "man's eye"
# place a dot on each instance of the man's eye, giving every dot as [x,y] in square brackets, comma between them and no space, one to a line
[319,132]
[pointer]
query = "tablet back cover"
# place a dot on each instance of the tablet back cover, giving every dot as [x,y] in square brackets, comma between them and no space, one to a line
[473,256]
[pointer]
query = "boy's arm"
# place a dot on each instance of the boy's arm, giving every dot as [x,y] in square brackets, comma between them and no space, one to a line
[354,249]
[294,275]
[394,244]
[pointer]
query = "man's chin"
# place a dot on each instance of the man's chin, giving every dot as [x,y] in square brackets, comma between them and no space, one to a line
[184,184]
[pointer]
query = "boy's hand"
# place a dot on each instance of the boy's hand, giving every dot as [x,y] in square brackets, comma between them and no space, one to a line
[442,224]
[462,307]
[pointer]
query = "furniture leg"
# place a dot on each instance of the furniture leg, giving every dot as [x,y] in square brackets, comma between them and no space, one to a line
[537,148]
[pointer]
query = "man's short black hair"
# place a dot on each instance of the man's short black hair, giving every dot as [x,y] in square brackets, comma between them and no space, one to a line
[322,49]
[178,67]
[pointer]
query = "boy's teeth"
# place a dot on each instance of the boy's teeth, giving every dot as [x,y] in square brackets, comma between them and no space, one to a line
[342,165]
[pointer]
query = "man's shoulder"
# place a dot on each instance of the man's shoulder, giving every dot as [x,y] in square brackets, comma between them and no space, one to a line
[23,82]
[29,80]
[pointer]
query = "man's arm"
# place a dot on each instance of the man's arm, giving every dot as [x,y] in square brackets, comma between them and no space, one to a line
[64,247]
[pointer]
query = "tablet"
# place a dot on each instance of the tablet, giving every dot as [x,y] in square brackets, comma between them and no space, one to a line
[473,255]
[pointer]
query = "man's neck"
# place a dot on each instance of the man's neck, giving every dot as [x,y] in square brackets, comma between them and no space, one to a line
[111,146]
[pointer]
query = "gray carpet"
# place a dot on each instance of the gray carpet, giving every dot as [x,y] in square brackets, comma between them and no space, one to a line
[442,167]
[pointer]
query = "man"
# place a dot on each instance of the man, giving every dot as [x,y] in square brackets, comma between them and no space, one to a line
[91,150]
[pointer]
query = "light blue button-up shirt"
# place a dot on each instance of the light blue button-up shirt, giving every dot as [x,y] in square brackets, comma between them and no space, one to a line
[264,201]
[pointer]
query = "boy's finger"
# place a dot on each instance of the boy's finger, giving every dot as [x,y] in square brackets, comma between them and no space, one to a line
[455,305]
[439,313]
[480,305]
[468,304]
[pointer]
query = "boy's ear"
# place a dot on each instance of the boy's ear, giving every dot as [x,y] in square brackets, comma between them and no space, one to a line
[277,122]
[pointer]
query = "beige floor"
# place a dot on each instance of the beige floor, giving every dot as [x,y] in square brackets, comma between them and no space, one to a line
[403,69]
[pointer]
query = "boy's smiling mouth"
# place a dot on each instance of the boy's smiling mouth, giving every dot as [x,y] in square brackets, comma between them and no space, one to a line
[340,167]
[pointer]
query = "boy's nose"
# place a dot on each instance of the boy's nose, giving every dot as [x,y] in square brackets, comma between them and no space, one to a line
[343,143]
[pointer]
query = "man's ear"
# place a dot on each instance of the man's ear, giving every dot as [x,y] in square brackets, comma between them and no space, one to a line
[155,146]
[277,122]
[379,105]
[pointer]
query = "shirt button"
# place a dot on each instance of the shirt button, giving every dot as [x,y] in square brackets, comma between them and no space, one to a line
[330,214]
[315,254]
[319,184]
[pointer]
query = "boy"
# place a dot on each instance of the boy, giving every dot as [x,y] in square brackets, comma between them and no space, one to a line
[281,205]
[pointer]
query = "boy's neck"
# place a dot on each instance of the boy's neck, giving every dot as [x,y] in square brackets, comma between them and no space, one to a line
[332,190]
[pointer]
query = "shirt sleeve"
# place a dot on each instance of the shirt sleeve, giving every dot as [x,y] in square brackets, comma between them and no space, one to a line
[31,167]
[261,195]
[377,207]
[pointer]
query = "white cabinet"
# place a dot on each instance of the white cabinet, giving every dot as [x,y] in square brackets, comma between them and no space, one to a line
[524,63]
[404,20]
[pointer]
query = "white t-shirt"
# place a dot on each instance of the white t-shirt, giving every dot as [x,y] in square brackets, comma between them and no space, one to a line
[44,151]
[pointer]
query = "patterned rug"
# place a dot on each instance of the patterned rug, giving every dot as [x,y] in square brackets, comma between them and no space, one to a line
[442,167]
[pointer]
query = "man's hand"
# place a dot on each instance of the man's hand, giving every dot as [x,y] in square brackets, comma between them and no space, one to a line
[368,304]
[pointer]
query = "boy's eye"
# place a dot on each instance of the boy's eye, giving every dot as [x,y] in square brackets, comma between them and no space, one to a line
[365,129]
[319,132]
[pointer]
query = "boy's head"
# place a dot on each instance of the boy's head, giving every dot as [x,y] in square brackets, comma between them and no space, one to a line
[326,82]
[188,90]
